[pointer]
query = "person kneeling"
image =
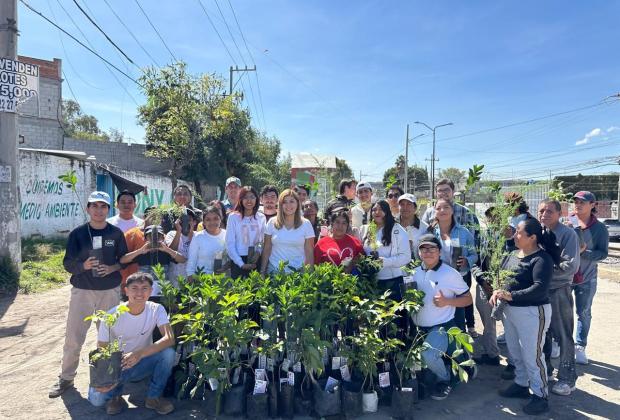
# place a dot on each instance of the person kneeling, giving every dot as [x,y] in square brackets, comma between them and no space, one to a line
[141,357]
[444,290]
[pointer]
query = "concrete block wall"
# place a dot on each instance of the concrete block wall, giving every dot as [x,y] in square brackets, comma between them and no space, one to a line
[39,133]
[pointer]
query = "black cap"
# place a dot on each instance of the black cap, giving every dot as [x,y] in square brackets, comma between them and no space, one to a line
[429,239]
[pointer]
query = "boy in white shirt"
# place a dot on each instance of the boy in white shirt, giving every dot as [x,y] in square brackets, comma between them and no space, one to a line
[141,357]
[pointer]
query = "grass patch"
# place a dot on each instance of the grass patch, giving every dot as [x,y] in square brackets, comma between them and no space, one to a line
[42,265]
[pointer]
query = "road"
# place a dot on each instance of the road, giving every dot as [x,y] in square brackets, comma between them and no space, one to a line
[32,332]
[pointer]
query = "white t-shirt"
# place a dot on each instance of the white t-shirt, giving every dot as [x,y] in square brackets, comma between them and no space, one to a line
[242,233]
[178,269]
[135,331]
[288,244]
[203,250]
[451,284]
[124,224]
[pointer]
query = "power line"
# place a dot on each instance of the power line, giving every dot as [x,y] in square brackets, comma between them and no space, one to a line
[216,31]
[104,34]
[155,29]
[260,97]
[80,42]
[130,32]
[69,85]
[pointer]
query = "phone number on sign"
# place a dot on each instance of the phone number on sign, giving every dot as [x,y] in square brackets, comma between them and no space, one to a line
[8,104]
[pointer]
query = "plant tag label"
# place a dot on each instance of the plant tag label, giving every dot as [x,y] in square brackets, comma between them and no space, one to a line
[236,374]
[97,242]
[331,384]
[260,387]
[213,383]
[291,378]
[408,279]
[407,389]
[344,372]
[384,379]
[297,367]
[285,364]
[262,361]
[335,363]
[223,373]
[261,375]
[270,364]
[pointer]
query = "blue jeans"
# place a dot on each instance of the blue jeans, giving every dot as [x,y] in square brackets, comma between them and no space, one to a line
[584,296]
[438,345]
[158,366]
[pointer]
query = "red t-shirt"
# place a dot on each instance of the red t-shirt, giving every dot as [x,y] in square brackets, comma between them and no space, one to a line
[334,251]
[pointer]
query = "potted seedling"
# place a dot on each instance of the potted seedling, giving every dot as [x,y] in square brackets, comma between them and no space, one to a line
[105,362]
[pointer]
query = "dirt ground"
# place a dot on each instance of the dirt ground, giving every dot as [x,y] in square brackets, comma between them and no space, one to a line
[31,339]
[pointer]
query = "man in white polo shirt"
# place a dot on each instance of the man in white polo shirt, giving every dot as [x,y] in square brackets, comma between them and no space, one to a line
[444,290]
[126,205]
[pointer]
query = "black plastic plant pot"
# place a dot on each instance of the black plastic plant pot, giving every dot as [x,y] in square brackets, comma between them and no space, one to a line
[213,403]
[257,406]
[352,399]
[234,401]
[185,224]
[103,371]
[402,403]
[385,395]
[286,403]
[326,403]
[272,391]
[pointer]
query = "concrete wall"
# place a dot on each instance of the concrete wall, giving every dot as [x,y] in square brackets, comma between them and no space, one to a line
[47,206]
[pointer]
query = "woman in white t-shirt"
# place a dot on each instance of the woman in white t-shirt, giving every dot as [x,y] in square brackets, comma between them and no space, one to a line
[208,244]
[288,236]
[180,243]
[244,231]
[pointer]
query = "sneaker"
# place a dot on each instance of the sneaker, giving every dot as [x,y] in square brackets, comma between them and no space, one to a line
[160,405]
[562,388]
[555,350]
[441,391]
[115,406]
[515,391]
[59,387]
[501,339]
[537,405]
[580,355]
[472,332]
[508,373]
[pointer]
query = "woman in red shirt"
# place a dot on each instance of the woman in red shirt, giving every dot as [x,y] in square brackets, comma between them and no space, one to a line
[339,248]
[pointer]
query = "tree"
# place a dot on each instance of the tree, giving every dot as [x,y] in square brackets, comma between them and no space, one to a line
[455,175]
[418,176]
[116,135]
[79,125]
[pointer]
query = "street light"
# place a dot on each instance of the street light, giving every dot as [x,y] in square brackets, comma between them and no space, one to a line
[407,140]
[433,157]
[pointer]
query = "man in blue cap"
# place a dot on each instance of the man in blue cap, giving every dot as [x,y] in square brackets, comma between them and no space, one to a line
[93,255]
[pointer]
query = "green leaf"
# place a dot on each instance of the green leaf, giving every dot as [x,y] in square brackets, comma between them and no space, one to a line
[463,375]
[467,363]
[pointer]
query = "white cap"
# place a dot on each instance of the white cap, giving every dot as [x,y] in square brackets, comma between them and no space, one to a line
[409,197]
[363,185]
[100,196]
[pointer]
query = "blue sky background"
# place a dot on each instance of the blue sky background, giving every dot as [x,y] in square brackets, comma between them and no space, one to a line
[345,77]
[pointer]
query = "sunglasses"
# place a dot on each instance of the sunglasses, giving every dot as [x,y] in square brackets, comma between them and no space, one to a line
[395,195]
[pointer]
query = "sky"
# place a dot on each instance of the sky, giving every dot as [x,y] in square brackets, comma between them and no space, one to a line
[526,85]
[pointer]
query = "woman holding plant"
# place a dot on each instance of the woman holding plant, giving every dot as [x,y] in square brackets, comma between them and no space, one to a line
[289,238]
[244,233]
[458,250]
[388,242]
[528,313]
[339,248]
[208,244]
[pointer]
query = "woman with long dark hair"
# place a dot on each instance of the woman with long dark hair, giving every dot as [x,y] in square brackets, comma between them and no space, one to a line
[389,244]
[528,312]
[208,244]
[244,233]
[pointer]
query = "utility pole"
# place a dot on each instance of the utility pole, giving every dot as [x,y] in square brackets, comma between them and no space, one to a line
[406,161]
[236,69]
[10,239]
[361,175]
[433,160]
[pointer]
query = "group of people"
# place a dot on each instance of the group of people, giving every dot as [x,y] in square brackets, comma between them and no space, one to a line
[272,230]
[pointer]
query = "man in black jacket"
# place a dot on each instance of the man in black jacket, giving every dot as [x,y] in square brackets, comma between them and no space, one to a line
[345,199]
[93,255]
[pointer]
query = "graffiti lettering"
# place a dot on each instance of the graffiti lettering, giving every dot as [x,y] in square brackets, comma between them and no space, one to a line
[30,211]
[44,186]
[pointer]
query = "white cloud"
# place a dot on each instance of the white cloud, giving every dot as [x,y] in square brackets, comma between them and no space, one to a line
[613,128]
[594,133]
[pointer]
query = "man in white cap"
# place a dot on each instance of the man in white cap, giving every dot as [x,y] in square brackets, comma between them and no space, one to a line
[232,187]
[360,213]
[93,255]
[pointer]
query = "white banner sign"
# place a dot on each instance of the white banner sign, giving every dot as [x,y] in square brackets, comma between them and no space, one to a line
[18,83]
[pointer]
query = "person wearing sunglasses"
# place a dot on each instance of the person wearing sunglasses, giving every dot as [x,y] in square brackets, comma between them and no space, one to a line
[392,195]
